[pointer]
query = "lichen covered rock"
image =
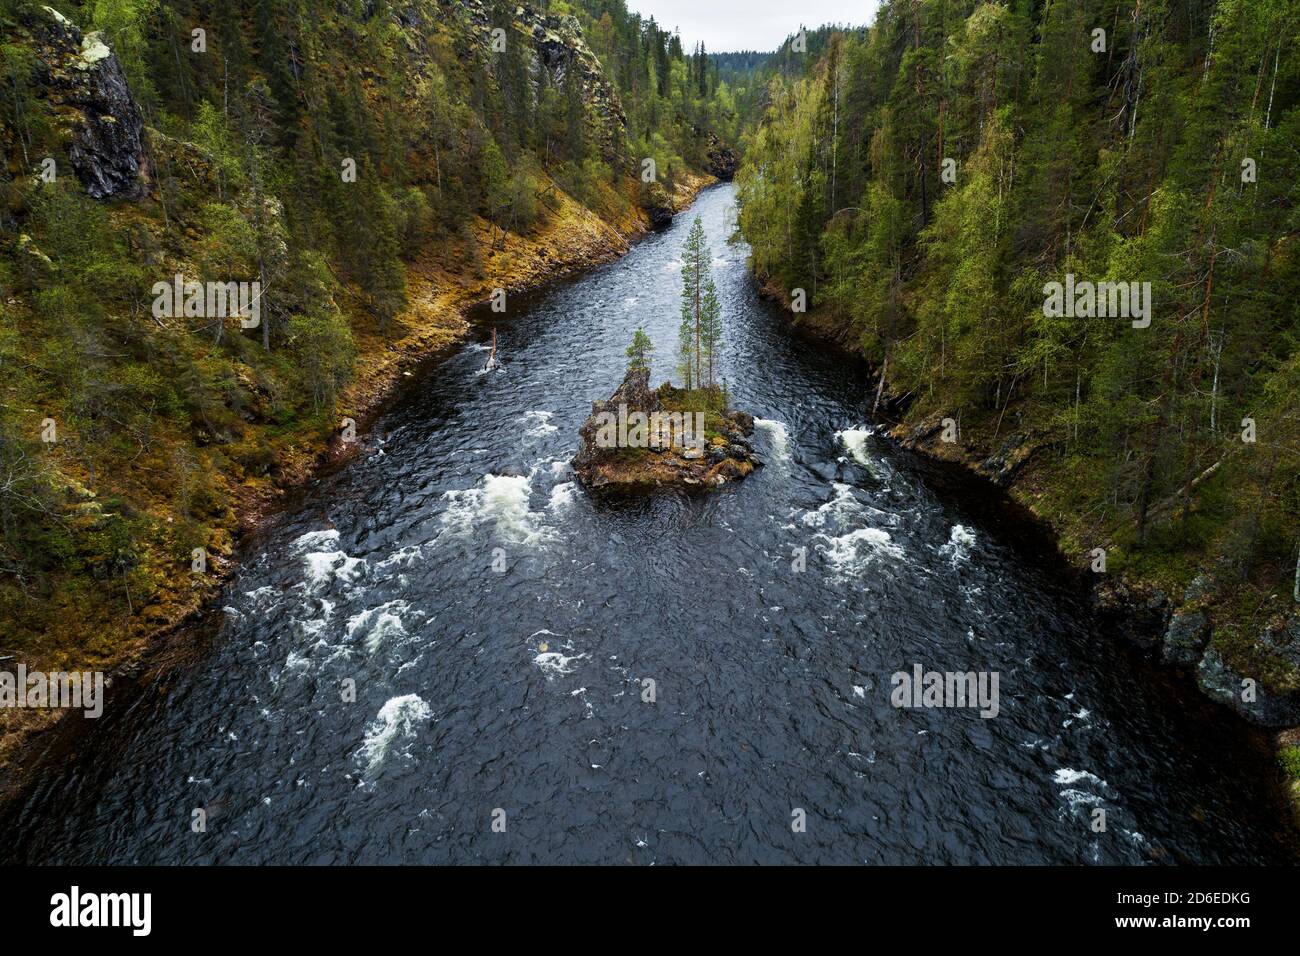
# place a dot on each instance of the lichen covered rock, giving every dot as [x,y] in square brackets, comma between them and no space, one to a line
[1186,636]
[87,96]
[1222,682]
[1260,677]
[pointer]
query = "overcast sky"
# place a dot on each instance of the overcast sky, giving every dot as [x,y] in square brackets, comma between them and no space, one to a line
[726,25]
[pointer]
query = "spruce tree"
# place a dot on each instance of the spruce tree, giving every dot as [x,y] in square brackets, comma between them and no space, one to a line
[639,351]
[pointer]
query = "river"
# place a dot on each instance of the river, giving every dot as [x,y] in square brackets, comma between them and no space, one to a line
[503,715]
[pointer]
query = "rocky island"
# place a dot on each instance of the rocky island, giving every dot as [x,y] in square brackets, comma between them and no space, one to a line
[642,439]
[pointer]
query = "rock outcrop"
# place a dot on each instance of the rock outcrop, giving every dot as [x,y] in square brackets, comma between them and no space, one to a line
[1186,636]
[87,96]
[1259,701]
[721,159]
[658,206]
[557,45]
[643,439]
[1264,667]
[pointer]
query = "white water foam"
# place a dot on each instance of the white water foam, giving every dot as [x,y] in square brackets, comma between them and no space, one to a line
[315,540]
[853,551]
[324,563]
[555,664]
[1066,775]
[562,496]
[960,540]
[397,723]
[1076,798]
[842,507]
[502,500]
[780,437]
[403,556]
[539,423]
[855,441]
[378,624]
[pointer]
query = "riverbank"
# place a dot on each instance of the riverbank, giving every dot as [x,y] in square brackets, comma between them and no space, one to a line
[442,287]
[1173,610]
[1154,607]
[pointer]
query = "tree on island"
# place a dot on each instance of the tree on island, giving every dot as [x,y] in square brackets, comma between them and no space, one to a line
[639,351]
[700,334]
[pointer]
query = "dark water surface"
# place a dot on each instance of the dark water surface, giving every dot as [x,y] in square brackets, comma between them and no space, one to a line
[522,690]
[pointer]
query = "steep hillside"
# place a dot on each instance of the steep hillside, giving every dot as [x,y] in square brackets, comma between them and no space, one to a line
[374,168]
[932,191]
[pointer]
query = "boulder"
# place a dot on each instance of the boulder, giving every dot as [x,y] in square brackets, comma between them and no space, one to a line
[1222,682]
[1186,636]
[658,206]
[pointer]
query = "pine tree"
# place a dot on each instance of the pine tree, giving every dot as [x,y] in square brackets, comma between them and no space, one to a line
[701,329]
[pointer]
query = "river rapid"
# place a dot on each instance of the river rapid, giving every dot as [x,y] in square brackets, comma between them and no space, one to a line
[502,629]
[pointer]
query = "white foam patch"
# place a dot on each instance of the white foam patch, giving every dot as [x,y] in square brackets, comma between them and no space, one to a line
[378,624]
[960,540]
[562,496]
[779,435]
[395,726]
[1081,790]
[324,561]
[853,551]
[501,500]
[403,556]
[1067,776]
[842,507]
[316,540]
[555,469]
[555,664]
[1075,799]
[855,442]
[539,423]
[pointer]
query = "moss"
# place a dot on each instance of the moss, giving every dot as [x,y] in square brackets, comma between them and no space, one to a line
[630,455]
[1289,759]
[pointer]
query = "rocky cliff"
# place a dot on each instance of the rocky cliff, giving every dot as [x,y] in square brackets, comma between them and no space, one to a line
[720,159]
[557,46]
[85,95]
